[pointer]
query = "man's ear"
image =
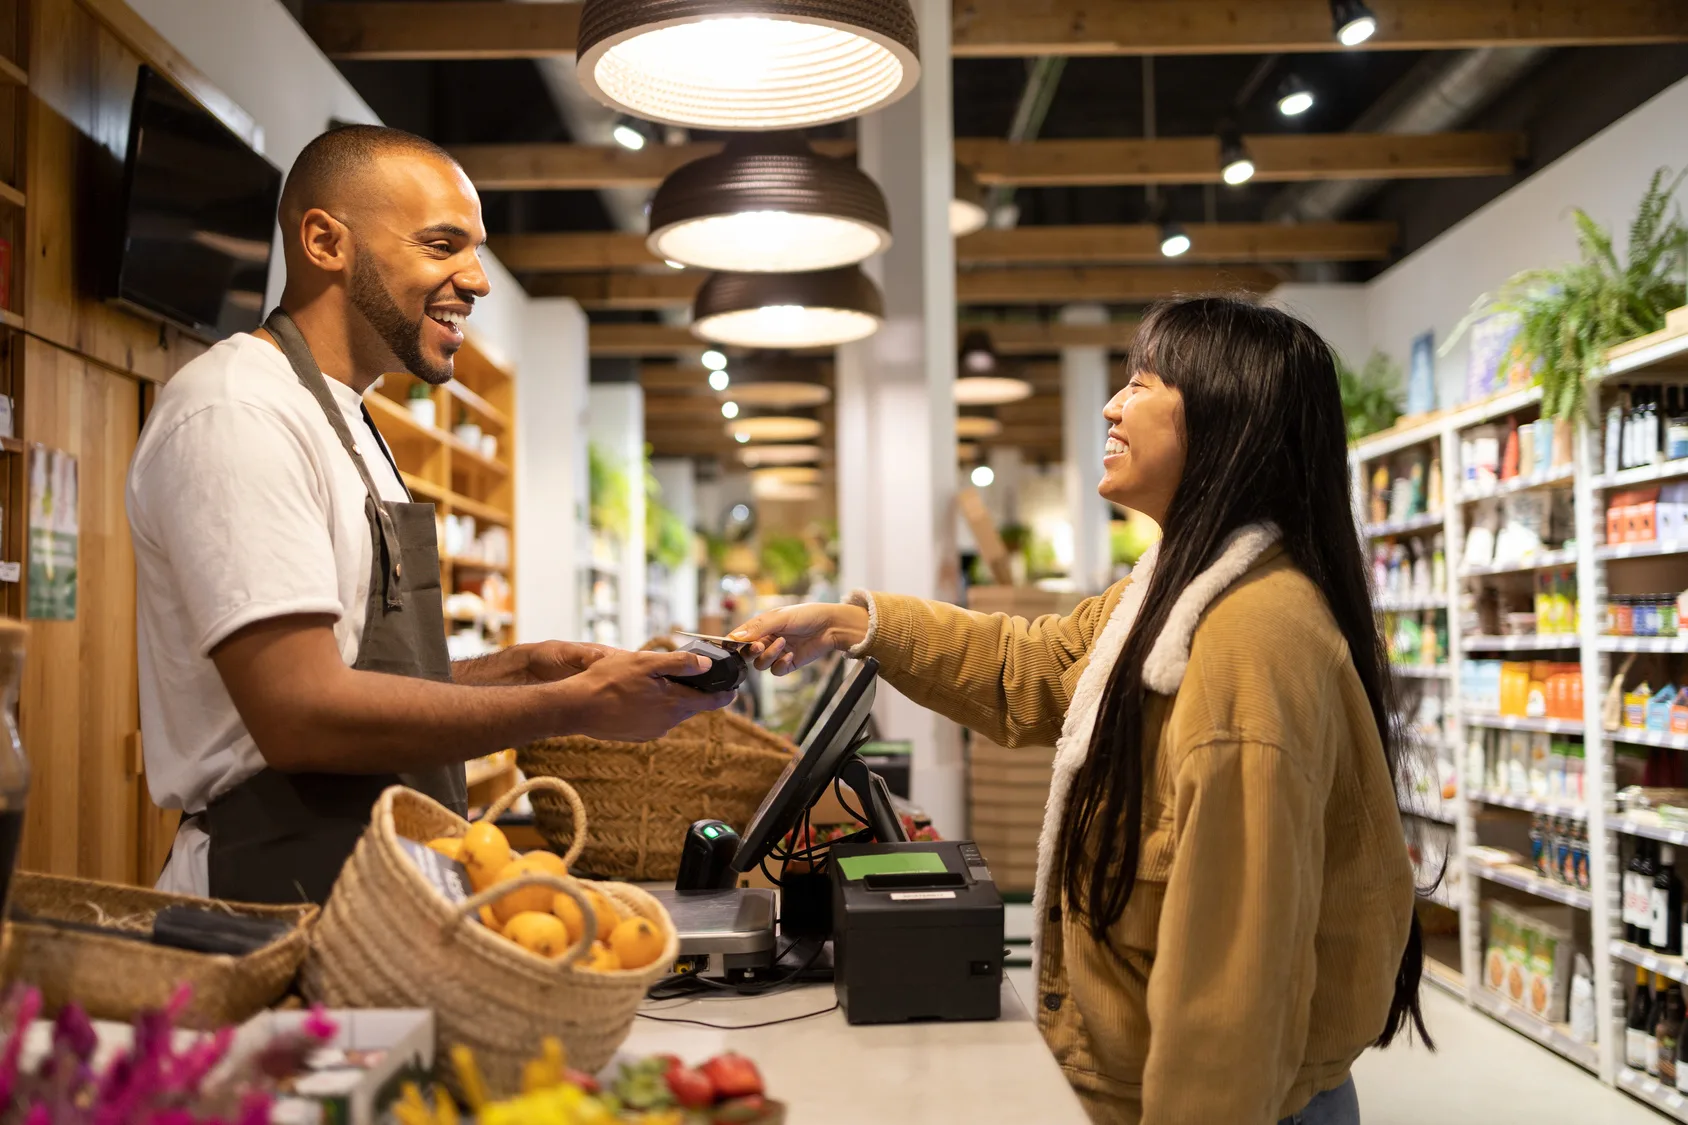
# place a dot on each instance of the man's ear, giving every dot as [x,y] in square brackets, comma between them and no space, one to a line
[326,240]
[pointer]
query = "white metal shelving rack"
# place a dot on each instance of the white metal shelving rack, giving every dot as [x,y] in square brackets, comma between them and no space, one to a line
[1664,360]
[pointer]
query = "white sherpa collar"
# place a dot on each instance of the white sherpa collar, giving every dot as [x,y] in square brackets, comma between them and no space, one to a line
[1163,673]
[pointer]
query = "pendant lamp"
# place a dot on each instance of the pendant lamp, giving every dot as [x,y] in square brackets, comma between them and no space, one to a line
[790,474]
[747,64]
[774,427]
[757,456]
[977,425]
[967,205]
[788,310]
[979,383]
[781,383]
[769,203]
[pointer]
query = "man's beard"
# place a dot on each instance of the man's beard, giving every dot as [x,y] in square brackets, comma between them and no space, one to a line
[403,336]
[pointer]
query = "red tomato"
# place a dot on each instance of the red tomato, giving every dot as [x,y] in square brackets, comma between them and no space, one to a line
[733,1076]
[690,1087]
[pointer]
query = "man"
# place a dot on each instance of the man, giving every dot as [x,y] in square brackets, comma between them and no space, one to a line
[292,652]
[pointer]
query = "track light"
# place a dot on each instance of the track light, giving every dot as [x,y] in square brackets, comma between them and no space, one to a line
[1352,22]
[628,134]
[1235,164]
[719,380]
[1295,97]
[1173,240]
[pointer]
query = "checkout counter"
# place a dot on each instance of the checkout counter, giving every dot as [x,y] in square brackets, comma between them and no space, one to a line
[921,1023]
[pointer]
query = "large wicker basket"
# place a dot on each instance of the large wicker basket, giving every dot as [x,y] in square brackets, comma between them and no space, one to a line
[117,979]
[644,795]
[388,939]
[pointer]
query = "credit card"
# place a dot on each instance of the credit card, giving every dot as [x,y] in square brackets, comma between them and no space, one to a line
[722,642]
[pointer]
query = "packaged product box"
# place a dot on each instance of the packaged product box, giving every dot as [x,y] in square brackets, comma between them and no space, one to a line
[1658,709]
[1556,757]
[356,1077]
[1547,933]
[1541,750]
[1517,745]
[1679,713]
[1635,706]
[1514,688]
[1497,953]
[1574,770]
[1673,512]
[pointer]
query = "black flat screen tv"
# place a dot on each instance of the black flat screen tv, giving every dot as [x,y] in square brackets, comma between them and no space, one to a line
[198,216]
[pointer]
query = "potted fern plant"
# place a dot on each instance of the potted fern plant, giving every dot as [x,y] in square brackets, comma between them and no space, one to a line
[1371,396]
[1569,317]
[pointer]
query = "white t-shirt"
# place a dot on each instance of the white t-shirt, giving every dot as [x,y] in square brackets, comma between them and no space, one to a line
[244,506]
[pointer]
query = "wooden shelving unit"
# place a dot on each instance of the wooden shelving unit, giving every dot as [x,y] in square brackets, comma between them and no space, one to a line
[14,182]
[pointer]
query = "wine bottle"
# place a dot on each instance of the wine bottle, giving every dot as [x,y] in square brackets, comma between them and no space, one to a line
[1666,931]
[1670,1030]
[1659,1003]
[1639,1024]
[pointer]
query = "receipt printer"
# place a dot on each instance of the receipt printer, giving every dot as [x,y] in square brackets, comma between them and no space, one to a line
[916,932]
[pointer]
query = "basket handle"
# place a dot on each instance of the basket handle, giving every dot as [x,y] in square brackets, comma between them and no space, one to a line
[502,805]
[564,883]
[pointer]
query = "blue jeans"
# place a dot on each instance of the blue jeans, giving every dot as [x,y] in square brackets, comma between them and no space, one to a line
[1340,1106]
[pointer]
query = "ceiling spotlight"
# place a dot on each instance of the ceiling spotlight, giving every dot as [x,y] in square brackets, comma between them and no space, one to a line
[1295,97]
[1235,164]
[788,310]
[983,476]
[719,380]
[769,203]
[967,206]
[977,355]
[1173,240]
[742,439]
[628,134]
[729,410]
[723,64]
[673,265]
[1352,21]
[714,360]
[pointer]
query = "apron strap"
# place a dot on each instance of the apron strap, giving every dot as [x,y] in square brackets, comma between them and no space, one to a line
[298,354]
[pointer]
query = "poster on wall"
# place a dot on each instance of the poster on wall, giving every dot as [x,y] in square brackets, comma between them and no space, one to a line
[53,533]
[1488,369]
[1421,375]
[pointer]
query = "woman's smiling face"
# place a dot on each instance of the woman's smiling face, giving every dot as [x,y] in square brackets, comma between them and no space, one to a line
[1144,458]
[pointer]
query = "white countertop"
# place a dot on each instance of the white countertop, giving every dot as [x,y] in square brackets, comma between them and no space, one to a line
[830,1073]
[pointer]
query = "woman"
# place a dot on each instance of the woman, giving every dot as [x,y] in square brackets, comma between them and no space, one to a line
[1224,900]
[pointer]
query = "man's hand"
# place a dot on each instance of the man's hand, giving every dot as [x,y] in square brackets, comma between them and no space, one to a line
[623,696]
[543,662]
[787,639]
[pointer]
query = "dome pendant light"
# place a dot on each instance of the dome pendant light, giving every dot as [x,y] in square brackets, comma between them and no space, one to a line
[747,64]
[756,456]
[781,382]
[769,203]
[788,310]
[967,206]
[978,383]
[774,427]
[975,424]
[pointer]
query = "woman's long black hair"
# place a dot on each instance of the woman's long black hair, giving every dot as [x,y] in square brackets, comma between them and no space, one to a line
[1265,440]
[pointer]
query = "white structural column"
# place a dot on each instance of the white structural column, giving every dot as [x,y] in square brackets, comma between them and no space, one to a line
[677,477]
[1084,433]
[896,399]
[617,427]
[551,485]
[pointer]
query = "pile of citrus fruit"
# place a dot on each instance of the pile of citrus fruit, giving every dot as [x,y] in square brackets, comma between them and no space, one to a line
[542,920]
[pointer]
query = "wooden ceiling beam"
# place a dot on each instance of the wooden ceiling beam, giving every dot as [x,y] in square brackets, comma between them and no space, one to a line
[1117,284]
[1138,243]
[484,29]
[1103,162]
[1278,158]
[1010,338]
[1002,28]
[620,291]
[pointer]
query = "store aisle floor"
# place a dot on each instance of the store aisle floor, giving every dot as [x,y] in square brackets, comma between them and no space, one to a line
[1481,1074]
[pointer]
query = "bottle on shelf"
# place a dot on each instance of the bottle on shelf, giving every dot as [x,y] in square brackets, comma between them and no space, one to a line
[1681,1062]
[1669,1031]
[1666,931]
[1660,1002]
[1538,845]
[1613,451]
[1637,898]
[1676,427]
[1639,1025]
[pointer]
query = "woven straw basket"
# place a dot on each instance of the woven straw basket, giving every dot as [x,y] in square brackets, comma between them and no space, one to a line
[387,939]
[644,795]
[116,979]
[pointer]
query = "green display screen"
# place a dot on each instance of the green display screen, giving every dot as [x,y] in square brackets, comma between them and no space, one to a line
[892,863]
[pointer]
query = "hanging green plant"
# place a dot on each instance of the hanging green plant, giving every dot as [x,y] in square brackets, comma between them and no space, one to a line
[1371,396]
[611,506]
[784,560]
[1569,317]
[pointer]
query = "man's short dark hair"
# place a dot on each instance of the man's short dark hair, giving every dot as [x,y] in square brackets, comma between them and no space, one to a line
[335,161]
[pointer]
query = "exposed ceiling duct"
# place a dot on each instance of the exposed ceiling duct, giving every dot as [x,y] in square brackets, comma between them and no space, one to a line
[1043,76]
[1440,92]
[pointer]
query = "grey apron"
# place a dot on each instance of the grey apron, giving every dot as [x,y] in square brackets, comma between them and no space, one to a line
[283,837]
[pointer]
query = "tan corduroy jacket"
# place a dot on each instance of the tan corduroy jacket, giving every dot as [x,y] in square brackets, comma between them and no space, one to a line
[1273,891]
